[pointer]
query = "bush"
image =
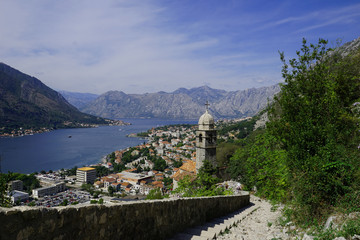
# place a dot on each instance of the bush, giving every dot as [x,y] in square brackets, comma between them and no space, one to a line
[314,122]
[155,194]
[204,184]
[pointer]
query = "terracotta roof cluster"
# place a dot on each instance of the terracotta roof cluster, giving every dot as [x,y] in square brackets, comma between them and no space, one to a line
[180,175]
[108,179]
[189,166]
[158,184]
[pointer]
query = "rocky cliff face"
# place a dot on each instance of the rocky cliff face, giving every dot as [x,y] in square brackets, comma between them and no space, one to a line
[349,47]
[182,103]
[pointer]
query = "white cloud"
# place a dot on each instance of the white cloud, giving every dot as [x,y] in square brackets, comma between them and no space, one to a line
[321,18]
[139,46]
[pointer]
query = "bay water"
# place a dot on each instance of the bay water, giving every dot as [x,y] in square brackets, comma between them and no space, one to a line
[66,148]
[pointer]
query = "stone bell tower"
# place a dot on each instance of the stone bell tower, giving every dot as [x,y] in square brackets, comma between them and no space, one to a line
[205,140]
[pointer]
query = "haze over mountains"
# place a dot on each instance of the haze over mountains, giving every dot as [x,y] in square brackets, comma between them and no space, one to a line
[26,102]
[180,104]
[78,100]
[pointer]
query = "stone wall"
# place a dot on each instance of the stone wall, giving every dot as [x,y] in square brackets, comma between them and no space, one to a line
[156,219]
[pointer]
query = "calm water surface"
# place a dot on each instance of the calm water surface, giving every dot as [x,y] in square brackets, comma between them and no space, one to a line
[55,150]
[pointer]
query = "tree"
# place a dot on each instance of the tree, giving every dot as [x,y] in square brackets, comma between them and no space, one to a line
[314,121]
[87,187]
[64,203]
[159,164]
[111,190]
[204,184]
[102,171]
[119,167]
[4,198]
[177,164]
[261,163]
[155,194]
[168,182]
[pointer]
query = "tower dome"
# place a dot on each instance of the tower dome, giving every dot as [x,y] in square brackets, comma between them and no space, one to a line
[206,140]
[206,121]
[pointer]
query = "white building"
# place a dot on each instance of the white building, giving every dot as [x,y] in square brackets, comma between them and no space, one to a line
[86,175]
[133,178]
[18,196]
[40,192]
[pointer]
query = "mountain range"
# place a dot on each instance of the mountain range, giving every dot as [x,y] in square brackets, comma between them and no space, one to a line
[180,104]
[184,103]
[26,102]
[78,100]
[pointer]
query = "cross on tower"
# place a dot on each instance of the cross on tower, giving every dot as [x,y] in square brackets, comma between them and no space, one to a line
[207,105]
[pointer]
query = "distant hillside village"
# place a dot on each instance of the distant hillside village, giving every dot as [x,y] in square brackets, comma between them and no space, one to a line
[168,155]
[20,131]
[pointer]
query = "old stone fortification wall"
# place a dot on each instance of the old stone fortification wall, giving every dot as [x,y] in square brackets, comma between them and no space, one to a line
[156,219]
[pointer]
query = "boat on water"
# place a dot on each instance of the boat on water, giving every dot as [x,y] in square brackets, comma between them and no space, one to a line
[69,136]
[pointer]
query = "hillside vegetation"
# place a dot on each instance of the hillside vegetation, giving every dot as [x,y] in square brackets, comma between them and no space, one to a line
[308,154]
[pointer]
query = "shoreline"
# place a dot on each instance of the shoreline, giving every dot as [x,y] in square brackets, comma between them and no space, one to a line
[20,132]
[102,159]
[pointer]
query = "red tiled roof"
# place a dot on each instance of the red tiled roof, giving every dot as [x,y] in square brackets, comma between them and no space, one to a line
[189,166]
[178,177]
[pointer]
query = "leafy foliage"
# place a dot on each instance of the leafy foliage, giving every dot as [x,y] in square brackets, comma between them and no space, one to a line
[155,194]
[4,198]
[242,128]
[224,151]
[30,182]
[313,120]
[203,185]
[262,163]
[168,182]
[308,154]
[159,164]
[102,171]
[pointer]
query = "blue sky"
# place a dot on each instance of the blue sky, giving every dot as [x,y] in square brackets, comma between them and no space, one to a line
[139,46]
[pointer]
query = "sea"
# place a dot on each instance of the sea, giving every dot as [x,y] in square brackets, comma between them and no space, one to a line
[67,148]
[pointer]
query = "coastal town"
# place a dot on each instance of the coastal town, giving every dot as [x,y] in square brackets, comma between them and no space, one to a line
[22,131]
[167,155]
[131,173]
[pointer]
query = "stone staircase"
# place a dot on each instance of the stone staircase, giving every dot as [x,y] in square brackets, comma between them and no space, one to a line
[212,229]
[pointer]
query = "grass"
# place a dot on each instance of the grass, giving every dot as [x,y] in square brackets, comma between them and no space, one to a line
[347,228]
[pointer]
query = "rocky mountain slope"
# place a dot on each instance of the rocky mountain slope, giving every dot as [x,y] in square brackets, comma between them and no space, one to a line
[349,47]
[182,103]
[78,100]
[26,102]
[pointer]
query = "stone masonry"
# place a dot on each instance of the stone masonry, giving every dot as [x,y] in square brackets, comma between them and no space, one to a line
[156,219]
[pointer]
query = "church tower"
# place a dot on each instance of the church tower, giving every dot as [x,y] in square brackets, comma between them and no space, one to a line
[205,140]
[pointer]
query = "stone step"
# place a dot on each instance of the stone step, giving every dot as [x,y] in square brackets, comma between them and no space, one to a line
[184,236]
[213,228]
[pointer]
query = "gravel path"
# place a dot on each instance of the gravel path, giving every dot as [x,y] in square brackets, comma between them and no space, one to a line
[261,224]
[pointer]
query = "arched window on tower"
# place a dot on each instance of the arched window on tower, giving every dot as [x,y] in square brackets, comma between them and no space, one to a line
[210,139]
[200,138]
